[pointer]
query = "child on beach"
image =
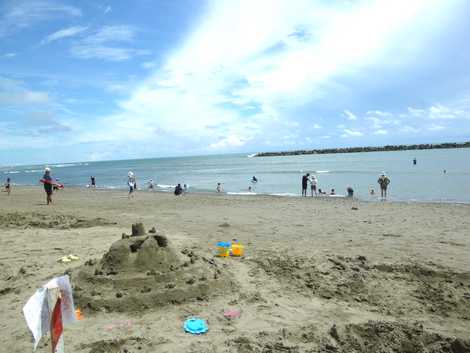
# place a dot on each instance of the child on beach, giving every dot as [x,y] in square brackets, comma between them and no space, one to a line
[131,183]
[151,184]
[313,184]
[219,187]
[92,182]
[48,185]
[8,186]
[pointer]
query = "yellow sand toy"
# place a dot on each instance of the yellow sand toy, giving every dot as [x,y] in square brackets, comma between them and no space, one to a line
[68,258]
[237,249]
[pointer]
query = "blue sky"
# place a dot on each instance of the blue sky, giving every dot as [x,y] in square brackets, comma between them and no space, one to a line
[92,80]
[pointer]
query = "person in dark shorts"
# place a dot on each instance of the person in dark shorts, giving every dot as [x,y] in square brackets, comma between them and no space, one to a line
[48,185]
[383,181]
[178,190]
[8,186]
[131,183]
[305,184]
[93,182]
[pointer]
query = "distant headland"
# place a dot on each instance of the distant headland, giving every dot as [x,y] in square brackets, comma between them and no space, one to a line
[387,148]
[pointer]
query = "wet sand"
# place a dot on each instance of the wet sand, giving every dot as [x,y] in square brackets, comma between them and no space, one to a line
[318,275]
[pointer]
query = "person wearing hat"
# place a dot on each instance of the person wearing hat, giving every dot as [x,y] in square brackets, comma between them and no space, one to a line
[383,182]
[48,184]
[131,182]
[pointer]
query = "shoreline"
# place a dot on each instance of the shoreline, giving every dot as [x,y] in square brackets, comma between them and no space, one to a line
[123,191]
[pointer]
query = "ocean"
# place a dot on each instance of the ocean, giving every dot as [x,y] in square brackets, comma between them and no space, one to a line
[425,181]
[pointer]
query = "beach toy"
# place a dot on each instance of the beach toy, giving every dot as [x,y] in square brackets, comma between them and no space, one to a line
[231,314]
[237,248]
[223,249]
[195,326]
[68,258]
[78,314]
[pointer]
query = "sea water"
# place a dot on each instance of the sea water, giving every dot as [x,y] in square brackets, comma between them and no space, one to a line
[425,181]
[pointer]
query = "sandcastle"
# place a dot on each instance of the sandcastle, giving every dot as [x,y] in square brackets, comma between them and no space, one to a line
[142,271]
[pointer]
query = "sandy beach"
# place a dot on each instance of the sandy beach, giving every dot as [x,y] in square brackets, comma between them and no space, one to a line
[318,275]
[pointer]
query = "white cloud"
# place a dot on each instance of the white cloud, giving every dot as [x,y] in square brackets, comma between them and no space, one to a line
[439,112]
[351,133]
[436,127]
[229,141]
[8,55]
[380,132]
[409,129]
[22,14]
[349,115]
[14,93]
[316,126]
[106,52]
[149,65]
[106,43]
[111,34]
[64,33]
[107,9]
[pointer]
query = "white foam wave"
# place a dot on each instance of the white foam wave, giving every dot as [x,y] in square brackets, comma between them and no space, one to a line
[284,194]
[33,171]
[12,172]
[242,193]
[165,186]
[65,165]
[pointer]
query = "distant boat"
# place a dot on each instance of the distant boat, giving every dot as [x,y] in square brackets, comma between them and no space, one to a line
[251,155]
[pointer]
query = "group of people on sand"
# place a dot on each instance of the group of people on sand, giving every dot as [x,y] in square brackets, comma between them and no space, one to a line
[313,181]
[181,190]
[383,181]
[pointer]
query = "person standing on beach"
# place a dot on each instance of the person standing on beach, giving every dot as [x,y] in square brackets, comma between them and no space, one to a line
[305,184]
[93,182]
[8,186]
[131,183]
[48,185]
[383,181]
[313,184]
[219,187]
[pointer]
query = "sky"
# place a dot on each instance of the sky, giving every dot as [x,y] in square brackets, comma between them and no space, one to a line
[99,80]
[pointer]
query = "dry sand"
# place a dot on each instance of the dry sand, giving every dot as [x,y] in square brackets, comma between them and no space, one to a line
[317,276]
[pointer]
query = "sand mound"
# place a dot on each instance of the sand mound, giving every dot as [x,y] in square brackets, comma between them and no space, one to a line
[395,289]
[395,337]
[39,220]
[141,272]
[370,337]
[126,345]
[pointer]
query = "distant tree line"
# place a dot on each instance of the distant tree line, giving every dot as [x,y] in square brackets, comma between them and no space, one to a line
[427,146]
